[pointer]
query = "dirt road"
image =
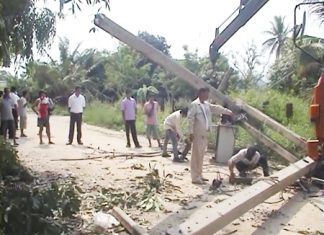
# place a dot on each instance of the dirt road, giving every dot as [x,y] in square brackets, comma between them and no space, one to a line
[293,215]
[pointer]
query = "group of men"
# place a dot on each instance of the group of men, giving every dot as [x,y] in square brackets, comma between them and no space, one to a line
[11,108]
[199,116]
[14,108]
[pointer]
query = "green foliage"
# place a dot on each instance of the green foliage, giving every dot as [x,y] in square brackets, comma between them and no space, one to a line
[296,71]
[278,35]
[28,207]
[109,116]
[24,27]
[8,158]
[273,104]
[146,194]
[144,91]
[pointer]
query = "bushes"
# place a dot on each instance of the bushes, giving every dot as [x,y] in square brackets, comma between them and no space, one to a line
[108,115]
[273,103]
[27,207]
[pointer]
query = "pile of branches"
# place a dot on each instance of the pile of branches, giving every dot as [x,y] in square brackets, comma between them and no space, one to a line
[29,206]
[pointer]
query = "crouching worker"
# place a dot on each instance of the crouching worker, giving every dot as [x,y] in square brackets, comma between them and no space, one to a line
[246,160]
[172,127]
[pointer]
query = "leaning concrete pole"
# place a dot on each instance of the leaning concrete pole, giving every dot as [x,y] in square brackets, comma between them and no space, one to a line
[158,57]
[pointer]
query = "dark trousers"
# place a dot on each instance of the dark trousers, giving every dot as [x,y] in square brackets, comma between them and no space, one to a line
[130,125]
[15,115]
[242,167]
[75,118]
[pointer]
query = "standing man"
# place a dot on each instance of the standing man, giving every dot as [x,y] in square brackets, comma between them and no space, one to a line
[172,127]
[7,104]
[246,160]
[42,116]
[22,111]
[76,105]
[129,110]
[151,108]
[15,98]
[199,118]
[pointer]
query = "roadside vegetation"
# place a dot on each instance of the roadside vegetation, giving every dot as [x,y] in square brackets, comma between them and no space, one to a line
[32,203]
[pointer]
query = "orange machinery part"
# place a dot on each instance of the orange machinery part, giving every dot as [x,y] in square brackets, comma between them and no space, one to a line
[317,109]
[313,149]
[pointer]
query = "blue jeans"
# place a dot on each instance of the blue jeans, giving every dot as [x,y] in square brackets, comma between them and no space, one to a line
[170,134]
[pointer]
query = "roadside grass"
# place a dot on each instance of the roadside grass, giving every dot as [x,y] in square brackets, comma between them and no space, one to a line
[276,108]
[108,115]
[273,103]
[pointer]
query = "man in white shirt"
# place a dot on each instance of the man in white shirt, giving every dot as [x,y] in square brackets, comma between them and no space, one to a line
[245,160]
[173,131]
[199,119]
[76,104]
[15,98]
[22,111]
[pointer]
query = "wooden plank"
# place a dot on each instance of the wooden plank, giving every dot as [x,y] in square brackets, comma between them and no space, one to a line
[158,57]
[293,137]
[269,143]
[129,224]
[211,218]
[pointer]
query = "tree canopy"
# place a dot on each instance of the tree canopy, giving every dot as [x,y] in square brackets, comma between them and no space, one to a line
[24,26]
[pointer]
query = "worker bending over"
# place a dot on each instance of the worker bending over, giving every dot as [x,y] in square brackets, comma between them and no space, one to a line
[246,160]
[172,127]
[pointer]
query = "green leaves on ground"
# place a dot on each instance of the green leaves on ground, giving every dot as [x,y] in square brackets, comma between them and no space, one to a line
[29,206]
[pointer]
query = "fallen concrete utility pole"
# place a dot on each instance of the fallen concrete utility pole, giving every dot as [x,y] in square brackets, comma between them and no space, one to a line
[213,217]
[129,224]
[158,57]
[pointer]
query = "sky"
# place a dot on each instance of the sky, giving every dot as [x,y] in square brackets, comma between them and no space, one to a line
[181,22]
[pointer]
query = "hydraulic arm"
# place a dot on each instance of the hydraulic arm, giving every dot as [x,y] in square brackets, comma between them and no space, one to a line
[247,9]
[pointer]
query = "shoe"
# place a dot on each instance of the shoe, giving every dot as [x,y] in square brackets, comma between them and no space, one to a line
[178,160]
[80,143]
[166,155]
[127,145]
[68,143]
[50,142]
[138,146]
[198,182]
[185,158]
[204,179]
[23,135]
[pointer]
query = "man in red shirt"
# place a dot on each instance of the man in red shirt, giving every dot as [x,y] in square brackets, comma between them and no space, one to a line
[43,119]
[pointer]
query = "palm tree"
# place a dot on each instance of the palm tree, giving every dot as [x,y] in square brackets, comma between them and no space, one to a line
[278,33]
[316,9]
